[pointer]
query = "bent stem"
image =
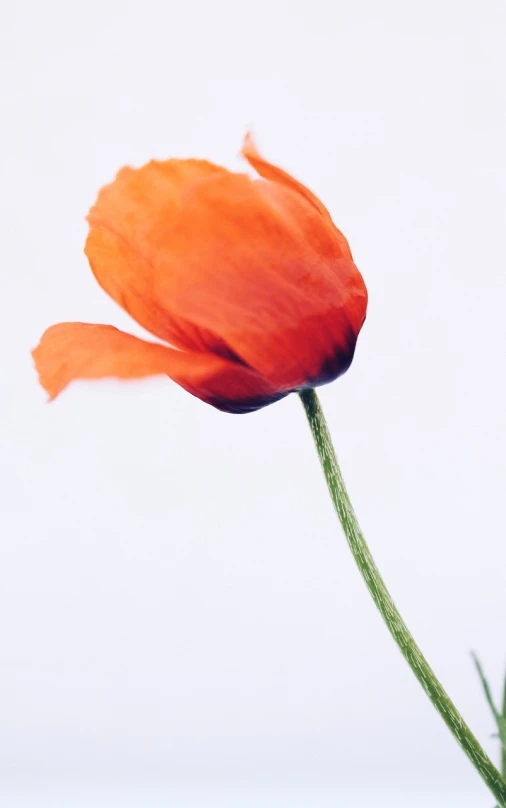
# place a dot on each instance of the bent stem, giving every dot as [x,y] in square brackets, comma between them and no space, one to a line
[386,606]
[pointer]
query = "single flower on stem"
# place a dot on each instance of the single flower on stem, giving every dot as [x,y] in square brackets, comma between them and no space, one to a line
[246,278]
[252,293]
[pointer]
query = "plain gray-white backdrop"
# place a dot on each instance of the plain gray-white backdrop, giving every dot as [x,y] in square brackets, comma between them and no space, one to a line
[177,600]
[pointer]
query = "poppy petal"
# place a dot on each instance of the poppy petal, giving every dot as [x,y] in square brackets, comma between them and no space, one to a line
[251,270]
[256,265]
[71,351]
[269,171]
[130,224]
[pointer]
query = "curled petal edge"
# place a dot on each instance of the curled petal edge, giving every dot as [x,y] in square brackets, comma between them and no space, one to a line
[71,351]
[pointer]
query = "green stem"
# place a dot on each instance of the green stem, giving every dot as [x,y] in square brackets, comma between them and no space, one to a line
[386,606]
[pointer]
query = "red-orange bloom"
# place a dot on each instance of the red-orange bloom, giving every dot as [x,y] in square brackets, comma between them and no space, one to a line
[247,279]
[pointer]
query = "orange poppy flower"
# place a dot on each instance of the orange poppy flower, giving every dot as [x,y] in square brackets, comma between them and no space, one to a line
[246,278]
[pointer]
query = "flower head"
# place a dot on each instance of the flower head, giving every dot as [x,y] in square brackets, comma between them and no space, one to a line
[246,281]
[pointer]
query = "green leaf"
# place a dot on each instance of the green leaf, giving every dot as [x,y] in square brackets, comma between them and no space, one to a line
[503,756]
[500,717]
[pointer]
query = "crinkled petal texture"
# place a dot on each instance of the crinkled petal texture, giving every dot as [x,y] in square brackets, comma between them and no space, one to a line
[248,278]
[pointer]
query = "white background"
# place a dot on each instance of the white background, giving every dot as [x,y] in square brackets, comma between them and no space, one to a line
[177,601]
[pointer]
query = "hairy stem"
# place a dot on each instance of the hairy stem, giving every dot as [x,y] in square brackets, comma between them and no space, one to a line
[386,606]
